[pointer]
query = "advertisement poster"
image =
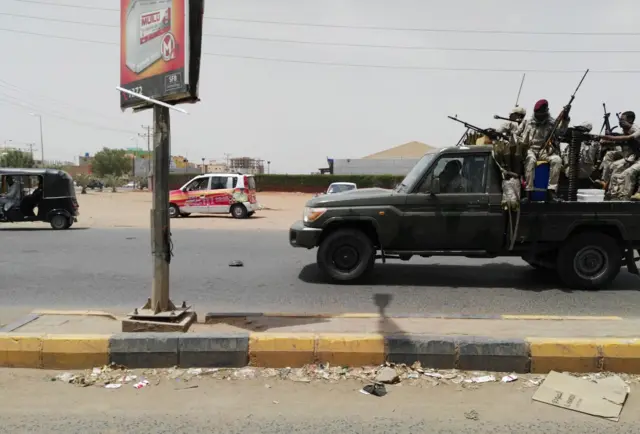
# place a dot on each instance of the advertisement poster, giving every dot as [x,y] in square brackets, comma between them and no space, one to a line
[154,50]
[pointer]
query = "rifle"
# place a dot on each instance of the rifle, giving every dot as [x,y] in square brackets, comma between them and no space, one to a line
[606,125]
[502,118]
[563,115]
[489,132]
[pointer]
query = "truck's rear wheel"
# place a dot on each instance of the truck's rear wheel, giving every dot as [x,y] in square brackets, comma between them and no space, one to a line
[346,255]
[589,260]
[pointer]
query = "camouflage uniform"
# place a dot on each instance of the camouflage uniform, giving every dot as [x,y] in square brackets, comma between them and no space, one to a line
[632,170]
[609,158]
[532,136]
[509,154]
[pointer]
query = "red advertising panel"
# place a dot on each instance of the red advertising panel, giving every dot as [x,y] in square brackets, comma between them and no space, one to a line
[156,44]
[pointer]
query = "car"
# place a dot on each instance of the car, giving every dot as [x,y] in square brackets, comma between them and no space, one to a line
[95,184]
[339,187]
[215,193]
[584,243]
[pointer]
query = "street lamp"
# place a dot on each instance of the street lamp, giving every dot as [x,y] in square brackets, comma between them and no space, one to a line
[203,171]
[41,139]
[269,167]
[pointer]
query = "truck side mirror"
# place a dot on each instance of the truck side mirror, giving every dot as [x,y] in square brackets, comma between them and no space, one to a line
[435,186]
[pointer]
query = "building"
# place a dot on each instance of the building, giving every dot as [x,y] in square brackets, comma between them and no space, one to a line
[394,161]
[214,166]
[246,165]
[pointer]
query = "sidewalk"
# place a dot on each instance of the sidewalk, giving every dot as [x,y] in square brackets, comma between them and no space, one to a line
[78,340]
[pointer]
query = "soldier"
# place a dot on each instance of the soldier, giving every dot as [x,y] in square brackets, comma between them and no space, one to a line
[589,152]
[533,136]
[628,166]
[516,118]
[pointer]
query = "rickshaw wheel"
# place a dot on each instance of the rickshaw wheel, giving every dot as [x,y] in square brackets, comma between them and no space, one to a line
[59,222]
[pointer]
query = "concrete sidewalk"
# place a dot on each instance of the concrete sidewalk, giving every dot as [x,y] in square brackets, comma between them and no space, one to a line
[78,340]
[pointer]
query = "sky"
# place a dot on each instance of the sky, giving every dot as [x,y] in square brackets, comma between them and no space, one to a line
[298,114]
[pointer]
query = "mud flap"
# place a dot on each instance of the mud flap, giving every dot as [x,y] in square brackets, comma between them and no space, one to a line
[631,262]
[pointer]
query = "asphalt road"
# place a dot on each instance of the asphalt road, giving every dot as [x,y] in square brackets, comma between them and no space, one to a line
[111,269]
[33,404]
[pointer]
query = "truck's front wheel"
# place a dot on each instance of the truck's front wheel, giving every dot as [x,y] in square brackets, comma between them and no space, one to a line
[589,260]
[346,255]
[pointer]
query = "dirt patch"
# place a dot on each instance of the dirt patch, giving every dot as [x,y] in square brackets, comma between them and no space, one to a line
[127,209]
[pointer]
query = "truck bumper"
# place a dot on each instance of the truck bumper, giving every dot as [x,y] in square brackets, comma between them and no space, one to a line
[303,236]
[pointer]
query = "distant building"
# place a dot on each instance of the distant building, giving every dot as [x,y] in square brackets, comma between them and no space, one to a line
[214,166]
[394,161]
[246,165]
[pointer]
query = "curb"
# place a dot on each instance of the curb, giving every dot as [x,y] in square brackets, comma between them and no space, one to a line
[280,350]
[214,317]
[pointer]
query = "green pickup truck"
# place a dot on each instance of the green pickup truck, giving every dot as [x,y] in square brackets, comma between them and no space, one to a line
[586,243]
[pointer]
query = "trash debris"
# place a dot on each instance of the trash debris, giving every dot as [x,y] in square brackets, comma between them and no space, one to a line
[66,377]
[472,415]
[194,371]
[509,378]
[141,384]
[413,375]
[276,402]
[387,375]
[602,397]
[483,379]
[434,375]
[112,386]
[375,389]
[236,264]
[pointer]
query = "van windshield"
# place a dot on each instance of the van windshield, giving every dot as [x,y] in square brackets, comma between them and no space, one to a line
[415,174]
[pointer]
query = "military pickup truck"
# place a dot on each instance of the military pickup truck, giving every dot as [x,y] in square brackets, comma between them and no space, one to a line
[586,243]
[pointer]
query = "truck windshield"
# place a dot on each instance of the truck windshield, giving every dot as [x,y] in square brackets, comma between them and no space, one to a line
[415,173]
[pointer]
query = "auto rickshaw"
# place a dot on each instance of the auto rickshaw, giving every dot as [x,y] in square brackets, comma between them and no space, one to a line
[38,195]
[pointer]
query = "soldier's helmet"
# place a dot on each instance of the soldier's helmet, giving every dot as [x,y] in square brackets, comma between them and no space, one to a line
[586,126]
[519,111]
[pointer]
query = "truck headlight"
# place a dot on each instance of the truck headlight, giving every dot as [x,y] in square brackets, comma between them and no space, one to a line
[312,214]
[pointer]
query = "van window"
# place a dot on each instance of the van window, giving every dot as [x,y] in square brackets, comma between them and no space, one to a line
[252,183]
[232,181]
[218,182]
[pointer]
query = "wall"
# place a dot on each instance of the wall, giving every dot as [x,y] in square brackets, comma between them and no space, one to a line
[357,166]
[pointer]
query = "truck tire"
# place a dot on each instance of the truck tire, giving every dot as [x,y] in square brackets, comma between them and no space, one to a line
[346,255]
[589,260]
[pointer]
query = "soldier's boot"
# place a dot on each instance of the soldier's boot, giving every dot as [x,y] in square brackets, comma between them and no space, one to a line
[526,198]
[552,196]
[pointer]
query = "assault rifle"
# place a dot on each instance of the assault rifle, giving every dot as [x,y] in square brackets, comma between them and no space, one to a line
[489,132]
[606,125]
[564,114]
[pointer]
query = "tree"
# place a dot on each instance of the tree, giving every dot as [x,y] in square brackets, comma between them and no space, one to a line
[19,159]
[83,181]
[113,182]
[111,162]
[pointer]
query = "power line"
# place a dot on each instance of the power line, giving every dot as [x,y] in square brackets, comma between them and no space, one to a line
[345,44]
[48,113]
[345,26]
[310,62]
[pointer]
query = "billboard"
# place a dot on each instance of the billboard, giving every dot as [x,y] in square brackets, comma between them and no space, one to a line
[160,49]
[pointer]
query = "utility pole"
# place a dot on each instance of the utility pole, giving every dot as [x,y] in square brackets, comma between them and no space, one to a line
[148,135]
[41,137]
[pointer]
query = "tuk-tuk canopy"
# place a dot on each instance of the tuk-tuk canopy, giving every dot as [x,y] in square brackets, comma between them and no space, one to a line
[55,183]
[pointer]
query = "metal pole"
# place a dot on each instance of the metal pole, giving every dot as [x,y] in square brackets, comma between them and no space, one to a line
[41,141]
[160,229]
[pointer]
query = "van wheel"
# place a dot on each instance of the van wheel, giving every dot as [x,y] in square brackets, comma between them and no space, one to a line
[59,222]
[239,211]
[346,255]
[589,260]
[174,211]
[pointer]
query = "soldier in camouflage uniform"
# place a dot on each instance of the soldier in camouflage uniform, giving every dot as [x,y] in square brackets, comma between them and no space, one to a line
[589,152]
[627,169]
[533,136]
[516,118]
[509,154]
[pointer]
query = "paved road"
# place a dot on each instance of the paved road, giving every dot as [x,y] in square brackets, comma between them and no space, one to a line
[111,268]
[32,404]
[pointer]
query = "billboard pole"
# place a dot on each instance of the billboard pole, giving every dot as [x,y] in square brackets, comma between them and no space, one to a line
[160,224]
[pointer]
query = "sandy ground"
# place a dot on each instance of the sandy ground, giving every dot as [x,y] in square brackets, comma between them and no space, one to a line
[31,402]
[127,209]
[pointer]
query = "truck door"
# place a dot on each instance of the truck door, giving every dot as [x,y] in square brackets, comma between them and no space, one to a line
[457,216]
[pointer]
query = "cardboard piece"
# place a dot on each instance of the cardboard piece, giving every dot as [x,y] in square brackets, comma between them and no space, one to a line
[603,398]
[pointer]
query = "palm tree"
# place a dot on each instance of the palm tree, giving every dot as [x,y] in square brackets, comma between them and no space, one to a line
[83,181]
[112,181]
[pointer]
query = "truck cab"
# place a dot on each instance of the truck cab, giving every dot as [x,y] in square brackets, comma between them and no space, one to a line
[450,204]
